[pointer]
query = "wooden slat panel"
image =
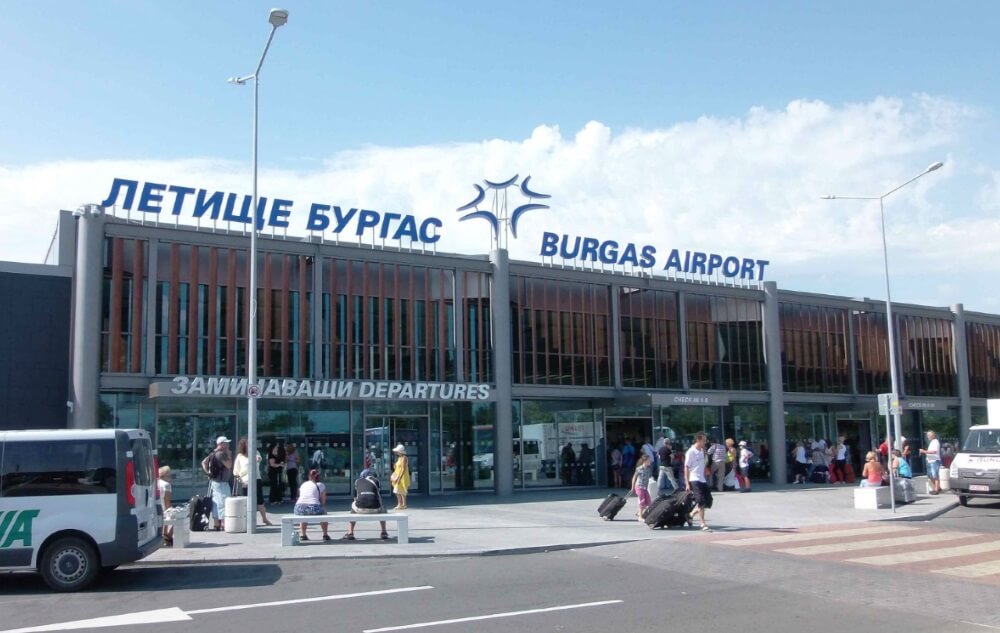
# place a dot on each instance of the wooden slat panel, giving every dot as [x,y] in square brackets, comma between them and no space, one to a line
[249,298]
[213,309]
[138,300]
[193,308]
[304,313]
[284,313]
[397,337]
[173,325]
[428,349]
[267,307]
[442,332]
[334,342]
[115,325]
[232,310]
[349,321]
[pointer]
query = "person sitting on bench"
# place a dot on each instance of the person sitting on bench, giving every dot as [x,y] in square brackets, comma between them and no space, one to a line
[311,502]
[367,500]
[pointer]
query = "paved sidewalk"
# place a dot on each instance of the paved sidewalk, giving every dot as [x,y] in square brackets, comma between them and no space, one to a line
[476,524]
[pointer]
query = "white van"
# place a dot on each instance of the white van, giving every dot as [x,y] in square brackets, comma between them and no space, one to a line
[975,471]
[74,502]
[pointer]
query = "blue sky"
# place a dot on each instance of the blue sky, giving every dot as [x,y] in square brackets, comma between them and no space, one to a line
[141,86]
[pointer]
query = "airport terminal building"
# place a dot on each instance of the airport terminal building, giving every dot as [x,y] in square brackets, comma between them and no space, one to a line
[497,375]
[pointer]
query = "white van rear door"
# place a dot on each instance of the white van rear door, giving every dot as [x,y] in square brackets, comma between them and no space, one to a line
[143,486]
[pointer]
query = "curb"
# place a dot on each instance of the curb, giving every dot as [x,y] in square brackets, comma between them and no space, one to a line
[929,516]
[513,551]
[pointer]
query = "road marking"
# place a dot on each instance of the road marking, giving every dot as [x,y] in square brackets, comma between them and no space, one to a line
[173,614]
[973,571]
[176,614]
[836,548]
[279,603]
[931,554]
[813,536]
[492,616]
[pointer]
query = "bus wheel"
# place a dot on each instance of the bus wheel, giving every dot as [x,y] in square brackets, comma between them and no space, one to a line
[69,564]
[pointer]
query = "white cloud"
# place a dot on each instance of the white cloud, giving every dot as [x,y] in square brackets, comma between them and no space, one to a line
[746,186]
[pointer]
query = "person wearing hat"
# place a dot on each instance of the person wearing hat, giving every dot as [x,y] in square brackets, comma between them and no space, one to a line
[219,468]
[745,456]
[400,478]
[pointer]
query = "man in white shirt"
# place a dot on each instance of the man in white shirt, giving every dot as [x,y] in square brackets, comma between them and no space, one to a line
[694,475]
[933,455]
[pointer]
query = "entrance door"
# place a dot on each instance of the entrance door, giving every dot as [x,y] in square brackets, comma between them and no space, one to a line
[182,441]
[382,434]
[622,431]
[858,438]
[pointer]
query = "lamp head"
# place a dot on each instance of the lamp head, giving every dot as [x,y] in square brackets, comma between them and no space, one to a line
[278,17]
[828,196]
[936,166]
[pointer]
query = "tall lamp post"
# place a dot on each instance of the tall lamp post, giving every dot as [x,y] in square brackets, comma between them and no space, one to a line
[277,18]
[890,327]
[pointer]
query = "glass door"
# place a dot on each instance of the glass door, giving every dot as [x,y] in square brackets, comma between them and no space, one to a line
[382,434]
[377,448]
[182,441]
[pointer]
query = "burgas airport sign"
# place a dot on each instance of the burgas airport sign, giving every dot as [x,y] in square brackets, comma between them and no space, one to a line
[176,200]
[591,249]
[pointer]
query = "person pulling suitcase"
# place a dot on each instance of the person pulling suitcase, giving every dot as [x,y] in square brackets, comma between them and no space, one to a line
[694,464]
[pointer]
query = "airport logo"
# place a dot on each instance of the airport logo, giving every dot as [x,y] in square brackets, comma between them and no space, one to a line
[496,214]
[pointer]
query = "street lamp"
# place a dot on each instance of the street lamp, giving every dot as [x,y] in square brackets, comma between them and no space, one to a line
[890,329]
[277,18]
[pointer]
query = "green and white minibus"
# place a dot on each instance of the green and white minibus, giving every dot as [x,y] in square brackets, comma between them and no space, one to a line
[74,502]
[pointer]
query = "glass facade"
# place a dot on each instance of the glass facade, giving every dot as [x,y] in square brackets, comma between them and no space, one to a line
[122,305]
[983,341]
[814,349]
[201,305]
[871,349]
[556,444]
[560,333]
[925,354]
[650,338]
[725,343]
[577,341]
[389,322]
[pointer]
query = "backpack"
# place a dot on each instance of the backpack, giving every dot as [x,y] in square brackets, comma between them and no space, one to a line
[213,467]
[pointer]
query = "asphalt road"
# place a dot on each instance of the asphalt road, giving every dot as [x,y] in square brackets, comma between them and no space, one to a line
[982,515]
[688,583]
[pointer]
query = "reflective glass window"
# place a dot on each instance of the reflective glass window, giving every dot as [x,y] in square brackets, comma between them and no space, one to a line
[725,343]
[650,344]
[983,342]
[559,332]
[926,356]
[814,348]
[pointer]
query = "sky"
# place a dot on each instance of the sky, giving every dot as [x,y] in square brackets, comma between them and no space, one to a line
[710,126]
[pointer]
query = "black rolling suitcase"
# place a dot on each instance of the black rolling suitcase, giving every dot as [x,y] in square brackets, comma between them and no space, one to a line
[611,506]
[200,513]
[671,511]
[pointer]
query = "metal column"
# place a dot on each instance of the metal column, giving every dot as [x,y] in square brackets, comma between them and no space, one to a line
[772,356]
[502,353]
[960,356]
[86,376]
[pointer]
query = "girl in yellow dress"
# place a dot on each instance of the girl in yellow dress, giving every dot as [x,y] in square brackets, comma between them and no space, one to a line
[400,477]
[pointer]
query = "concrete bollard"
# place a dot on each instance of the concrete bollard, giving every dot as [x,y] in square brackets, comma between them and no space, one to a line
[235,517]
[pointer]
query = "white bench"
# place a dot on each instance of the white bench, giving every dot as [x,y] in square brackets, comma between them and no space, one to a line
[872,498]
[290,523]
